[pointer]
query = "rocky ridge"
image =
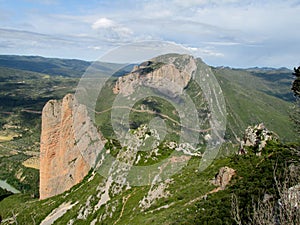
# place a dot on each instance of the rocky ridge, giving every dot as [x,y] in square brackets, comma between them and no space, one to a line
[167,75]
[71,144]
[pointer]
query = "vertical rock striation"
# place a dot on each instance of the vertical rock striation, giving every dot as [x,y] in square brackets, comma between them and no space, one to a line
[69,146]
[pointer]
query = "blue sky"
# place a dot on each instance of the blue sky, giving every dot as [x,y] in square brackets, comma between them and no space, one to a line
[222,32]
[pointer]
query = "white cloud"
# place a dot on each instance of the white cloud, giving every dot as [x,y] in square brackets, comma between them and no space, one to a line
[103,23]
[112,30]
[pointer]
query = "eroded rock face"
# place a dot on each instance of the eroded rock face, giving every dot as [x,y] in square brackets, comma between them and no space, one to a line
[69,146]
[169,75]
[257,136]
[224,176]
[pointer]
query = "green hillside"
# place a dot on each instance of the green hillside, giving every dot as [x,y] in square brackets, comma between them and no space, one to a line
[253,99]
[252,96]
[192,199]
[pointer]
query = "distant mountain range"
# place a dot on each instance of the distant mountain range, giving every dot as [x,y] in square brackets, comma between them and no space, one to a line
[51,66]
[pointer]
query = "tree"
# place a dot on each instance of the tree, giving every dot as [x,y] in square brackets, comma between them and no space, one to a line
[295,115]
[281,210]
[296,83]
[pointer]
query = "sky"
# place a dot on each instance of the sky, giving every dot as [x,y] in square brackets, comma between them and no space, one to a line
[233,33]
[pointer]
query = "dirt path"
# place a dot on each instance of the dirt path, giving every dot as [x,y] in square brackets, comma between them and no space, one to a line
[57,213]
[153,113]
[31,111]
[125,199]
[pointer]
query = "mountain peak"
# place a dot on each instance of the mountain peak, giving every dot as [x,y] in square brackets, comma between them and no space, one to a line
[169,73]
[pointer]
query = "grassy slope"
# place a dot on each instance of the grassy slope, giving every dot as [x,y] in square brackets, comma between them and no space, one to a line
[183,192]
[254,177]
[248,104]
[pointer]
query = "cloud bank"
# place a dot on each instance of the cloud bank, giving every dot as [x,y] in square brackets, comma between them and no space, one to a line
[224,32]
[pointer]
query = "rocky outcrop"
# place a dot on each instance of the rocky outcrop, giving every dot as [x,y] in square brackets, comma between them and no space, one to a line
[69,145]
[168,75]
[256,136]
[223,178]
